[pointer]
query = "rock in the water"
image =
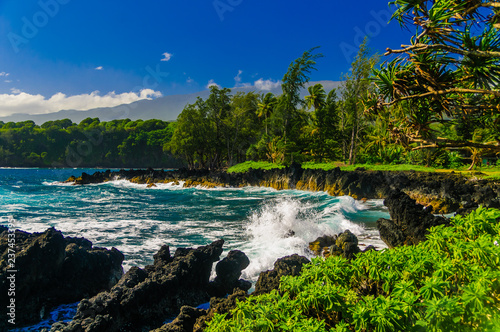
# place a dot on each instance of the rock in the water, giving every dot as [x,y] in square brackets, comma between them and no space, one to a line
[54,270]
[409,222]
[343,244]
[322,242]
[144,298]
[391,233]
[346,237]
[286,266]
[228,274]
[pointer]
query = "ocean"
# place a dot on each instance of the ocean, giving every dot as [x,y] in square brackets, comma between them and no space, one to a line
[138,220]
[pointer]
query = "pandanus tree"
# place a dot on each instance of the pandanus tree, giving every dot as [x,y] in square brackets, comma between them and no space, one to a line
[447,76]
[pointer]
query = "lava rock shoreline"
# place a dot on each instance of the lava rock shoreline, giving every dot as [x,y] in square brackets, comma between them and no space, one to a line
[51,270]
[54,270]
[444,192]
[142,299]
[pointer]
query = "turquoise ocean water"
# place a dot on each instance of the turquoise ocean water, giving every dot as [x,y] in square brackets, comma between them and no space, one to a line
[139,220]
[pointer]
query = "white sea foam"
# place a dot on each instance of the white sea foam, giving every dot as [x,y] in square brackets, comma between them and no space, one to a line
[57,183]
[286,226]
[264,223]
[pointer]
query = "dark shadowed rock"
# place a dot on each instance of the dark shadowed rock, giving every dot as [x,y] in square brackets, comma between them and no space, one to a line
[390,233]
[409,222]
[184,322]
[144,298]
[228,274]
[220,306]
[53,270]
[286,266]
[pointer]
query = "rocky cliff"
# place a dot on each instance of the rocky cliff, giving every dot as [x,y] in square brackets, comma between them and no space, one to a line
[445,192]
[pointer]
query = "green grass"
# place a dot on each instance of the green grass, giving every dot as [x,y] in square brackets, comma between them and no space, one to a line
[243,167]
[492,173]
[404,167]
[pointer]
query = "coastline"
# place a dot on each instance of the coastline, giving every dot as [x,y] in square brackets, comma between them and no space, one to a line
[445,192]
[359,184]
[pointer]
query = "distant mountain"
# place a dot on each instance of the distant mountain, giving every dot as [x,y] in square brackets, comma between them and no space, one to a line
[165,108]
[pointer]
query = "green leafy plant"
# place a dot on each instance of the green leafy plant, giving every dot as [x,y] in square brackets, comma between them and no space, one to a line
[451,282]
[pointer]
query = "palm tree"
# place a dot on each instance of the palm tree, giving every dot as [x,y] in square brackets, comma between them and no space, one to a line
[266,107]
[317,96]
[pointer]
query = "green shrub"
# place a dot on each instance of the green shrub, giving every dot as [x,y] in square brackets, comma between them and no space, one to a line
[451,282]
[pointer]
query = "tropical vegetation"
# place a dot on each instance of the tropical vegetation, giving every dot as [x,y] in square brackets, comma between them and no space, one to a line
[451,282]
[435,102]
[90,143]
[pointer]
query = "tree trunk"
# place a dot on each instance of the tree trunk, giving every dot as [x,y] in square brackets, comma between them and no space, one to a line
[353,146]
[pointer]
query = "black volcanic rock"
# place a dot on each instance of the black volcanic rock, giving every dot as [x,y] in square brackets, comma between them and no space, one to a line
[446,192]
[409,222]
[286,266]
[220,306]
[144,298]
[54,270]
[228,274]
[184,322]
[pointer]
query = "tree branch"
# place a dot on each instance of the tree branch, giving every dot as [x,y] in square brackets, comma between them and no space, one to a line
[446,143]
[424,47]
[444,92]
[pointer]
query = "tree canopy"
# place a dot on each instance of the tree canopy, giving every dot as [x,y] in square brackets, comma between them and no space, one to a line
[447,76]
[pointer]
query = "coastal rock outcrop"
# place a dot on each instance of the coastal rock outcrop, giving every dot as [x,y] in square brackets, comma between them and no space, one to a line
[409,221]
[52,270]
[144,298]
[445,192]
[184,322]
[343,244]
[195,320]
[286,266]
[228,272]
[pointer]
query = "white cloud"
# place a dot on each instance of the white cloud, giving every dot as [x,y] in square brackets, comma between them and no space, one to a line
[21,102]
[244,85]
[189,80]
[4,74]
[8,81]
[237,78]
[99,68]
[266,85]
[167,56]
[212,83]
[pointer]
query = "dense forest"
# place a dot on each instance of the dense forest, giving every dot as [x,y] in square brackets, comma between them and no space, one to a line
[435,102]
[91,143]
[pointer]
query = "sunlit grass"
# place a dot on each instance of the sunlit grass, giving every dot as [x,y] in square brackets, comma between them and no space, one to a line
[244,167]
[487,172]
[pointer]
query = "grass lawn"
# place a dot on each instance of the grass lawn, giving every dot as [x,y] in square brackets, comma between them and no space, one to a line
[487,172]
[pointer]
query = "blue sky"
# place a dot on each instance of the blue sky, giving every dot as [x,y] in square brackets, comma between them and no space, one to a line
[79,54]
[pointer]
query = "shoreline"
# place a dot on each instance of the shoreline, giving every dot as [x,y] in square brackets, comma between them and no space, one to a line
[445,192]
[359,184]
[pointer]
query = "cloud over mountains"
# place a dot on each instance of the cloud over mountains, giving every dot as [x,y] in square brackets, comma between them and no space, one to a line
[21,102]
